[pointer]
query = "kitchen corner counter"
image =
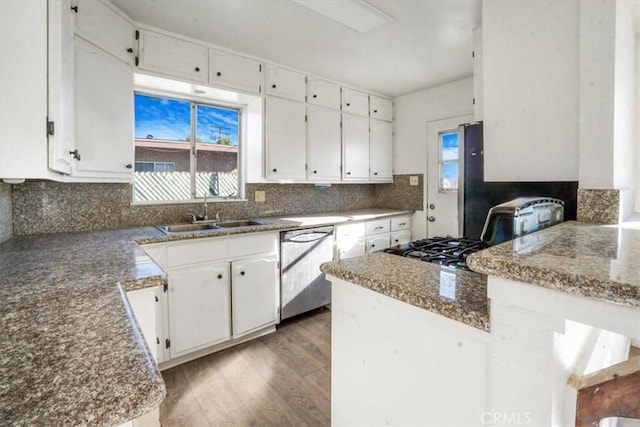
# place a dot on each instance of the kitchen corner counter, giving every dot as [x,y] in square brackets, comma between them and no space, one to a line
[71,353]
[594,261]
[457,294]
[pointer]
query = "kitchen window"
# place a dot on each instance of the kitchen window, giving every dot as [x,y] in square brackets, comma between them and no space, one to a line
[185,150]
[448,161]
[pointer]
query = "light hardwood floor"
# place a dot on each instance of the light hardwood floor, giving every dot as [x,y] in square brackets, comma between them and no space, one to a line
[280,379]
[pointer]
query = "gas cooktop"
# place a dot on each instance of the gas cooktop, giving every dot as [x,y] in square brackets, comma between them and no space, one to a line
[449,251]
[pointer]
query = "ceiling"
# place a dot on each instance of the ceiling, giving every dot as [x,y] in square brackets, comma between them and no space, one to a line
[427,43]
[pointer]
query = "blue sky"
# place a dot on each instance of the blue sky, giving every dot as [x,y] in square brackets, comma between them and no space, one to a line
[164,118]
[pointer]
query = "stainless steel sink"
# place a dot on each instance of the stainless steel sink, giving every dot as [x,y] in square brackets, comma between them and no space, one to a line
[187,227]
[240,223]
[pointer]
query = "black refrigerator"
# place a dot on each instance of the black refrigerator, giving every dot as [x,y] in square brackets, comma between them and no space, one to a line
[476,196]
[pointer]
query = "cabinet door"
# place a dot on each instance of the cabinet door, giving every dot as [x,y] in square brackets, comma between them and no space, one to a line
[254,293]
[285,83]
[399,238]
[349,247]
[147,309]
[380,108]
[323,93]
[355,102]
[378,242]
[104,27]
[381,154]
[234,71]
[172,56]
[323,144]
[355,148]
[285,140]
[198,307]
[103,114]
[61,81]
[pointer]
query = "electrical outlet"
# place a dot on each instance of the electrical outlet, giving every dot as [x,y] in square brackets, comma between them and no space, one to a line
[413,180]
[260,196]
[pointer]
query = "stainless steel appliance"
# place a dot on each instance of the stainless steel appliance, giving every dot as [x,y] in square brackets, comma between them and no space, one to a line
[504,222]
[476,196]
[303,286]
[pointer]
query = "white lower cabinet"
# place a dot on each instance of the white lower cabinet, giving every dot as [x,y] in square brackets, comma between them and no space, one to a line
[220,289]
[149,308]
[253,297]
[360,238]
[198,307]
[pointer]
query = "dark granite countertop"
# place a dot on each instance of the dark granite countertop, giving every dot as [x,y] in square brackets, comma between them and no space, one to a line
[71,352]
[595,261]
[458,294]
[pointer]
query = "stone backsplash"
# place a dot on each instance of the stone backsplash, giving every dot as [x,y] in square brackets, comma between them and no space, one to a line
[598,206]
[6,213]
[53,207]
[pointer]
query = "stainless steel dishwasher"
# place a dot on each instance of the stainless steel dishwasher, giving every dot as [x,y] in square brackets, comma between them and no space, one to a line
[303,286]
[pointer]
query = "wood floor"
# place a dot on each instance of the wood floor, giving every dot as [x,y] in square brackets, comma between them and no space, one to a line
[282,379]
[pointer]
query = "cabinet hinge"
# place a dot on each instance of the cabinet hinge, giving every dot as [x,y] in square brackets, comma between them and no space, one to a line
[167,343]
[305,117]
[259,88]
[259,68]
[156,299]
[74,8]
[51,128]
[474,101]
[165,288]
[306,166]
[473,53]
[136,61]
[278,265]
[137,35]
[157,340]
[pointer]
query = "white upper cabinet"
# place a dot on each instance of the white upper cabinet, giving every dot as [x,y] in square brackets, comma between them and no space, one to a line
[234,71]
[380,108]
[323,93]
[103,114]
[355,102]
[285,83]
[172,56]
[98,23]
[381,151]
[285,141]
[323,144]
[355,148]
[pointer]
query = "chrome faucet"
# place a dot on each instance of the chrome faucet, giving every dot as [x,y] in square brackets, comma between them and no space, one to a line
[205,216]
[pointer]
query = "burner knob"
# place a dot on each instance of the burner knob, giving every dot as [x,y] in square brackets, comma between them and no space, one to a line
[431,218]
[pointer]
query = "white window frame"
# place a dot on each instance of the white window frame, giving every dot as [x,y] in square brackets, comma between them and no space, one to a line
[442,162]
[195,100]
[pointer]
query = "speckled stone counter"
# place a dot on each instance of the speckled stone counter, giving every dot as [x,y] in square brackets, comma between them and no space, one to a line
[458,294]
[70,353]
[595,261]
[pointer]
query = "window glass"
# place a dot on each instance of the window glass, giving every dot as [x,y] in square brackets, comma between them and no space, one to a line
[449,161]
[169,165]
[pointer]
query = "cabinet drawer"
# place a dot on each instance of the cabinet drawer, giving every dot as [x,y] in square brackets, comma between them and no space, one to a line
[350,230]
[378,243]
[377,227]
[252,244]
[400,223]
[400,237]
[195,252]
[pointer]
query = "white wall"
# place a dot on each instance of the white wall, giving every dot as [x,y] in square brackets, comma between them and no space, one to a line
[531,90]
[412,112]
[597,72]
[637,122]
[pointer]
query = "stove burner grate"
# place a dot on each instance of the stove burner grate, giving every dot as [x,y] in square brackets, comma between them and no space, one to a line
[449,251]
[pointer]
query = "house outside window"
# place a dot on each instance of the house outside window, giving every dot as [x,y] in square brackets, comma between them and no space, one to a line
[448,161]
[185,150]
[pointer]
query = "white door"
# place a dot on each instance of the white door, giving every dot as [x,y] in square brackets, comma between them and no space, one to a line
[254,293]
[234,71]
[442,198]
[323,144]
[103,114]
[199,314]
[286,140]
[355,147]
[380,151]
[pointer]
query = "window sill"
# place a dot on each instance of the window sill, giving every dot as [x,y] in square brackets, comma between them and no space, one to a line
[184,202]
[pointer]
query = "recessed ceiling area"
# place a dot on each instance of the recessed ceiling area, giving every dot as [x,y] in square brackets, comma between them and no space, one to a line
[426,43]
